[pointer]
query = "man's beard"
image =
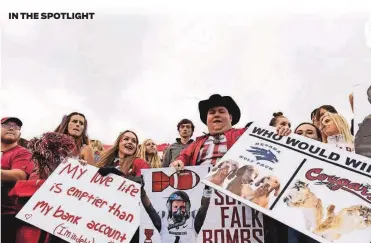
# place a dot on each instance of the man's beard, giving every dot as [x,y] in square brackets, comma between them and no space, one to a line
[9,140]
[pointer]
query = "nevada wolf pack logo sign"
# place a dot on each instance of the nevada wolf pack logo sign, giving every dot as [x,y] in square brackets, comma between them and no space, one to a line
[263,154]
[184,180]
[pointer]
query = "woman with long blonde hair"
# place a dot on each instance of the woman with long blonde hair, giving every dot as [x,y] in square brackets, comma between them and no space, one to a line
[148,152]
[336,131]
[97,148]
[122,156]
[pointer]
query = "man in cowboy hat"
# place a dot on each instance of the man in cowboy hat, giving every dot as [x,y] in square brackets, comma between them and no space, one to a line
[219,113]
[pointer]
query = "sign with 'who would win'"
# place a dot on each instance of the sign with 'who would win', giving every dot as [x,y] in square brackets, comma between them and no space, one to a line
[316,188]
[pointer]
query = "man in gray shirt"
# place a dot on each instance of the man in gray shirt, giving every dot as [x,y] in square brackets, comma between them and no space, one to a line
[185,129]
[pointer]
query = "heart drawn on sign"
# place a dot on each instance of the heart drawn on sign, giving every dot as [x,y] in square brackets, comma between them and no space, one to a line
[27,216]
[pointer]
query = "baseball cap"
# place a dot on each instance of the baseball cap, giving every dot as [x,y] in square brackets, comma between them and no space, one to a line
[15,119]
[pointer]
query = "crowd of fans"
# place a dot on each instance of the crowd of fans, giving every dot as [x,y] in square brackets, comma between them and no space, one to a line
[22,160]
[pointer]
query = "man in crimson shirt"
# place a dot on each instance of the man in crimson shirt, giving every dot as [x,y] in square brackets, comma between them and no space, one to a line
[220,113]
[16,164]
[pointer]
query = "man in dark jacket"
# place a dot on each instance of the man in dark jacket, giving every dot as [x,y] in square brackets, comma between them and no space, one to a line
[185,128]
[363,136]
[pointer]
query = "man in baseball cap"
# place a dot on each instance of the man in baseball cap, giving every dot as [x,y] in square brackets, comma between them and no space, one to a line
[16,164]
[14,119]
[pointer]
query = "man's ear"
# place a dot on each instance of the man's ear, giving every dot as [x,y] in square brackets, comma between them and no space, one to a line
[230,118]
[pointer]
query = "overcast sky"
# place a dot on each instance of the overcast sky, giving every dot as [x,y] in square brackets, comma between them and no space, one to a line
[146,72]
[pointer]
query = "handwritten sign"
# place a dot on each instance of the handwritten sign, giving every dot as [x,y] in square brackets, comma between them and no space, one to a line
[79,205]
[313,187]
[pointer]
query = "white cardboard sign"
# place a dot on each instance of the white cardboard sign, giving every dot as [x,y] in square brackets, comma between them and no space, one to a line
[313,187]
[79,205]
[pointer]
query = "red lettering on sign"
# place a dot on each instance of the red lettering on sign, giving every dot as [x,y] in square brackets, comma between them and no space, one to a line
[232,235]
[235,218]
[126,187]
[335,183]
[219,199]
[122,215]
[45,207]
[238,217]
[60,213]
[224,215]
[89,198]
[75,171]
[56,187]
[222,199]
[106,230]
[99,179]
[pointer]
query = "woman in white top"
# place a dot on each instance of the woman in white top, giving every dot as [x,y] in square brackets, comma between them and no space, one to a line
[336,131]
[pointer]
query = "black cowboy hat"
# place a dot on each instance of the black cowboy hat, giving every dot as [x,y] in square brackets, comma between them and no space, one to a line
[217,100]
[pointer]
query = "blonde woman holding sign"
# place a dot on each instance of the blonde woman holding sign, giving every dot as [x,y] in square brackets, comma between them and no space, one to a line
[148,152]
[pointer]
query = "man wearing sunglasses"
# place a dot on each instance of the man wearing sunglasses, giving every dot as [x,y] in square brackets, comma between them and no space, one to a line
[16,164]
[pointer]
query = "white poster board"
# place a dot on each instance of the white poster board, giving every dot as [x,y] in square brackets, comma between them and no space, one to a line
[227,220]
[78,205]
[313,187]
